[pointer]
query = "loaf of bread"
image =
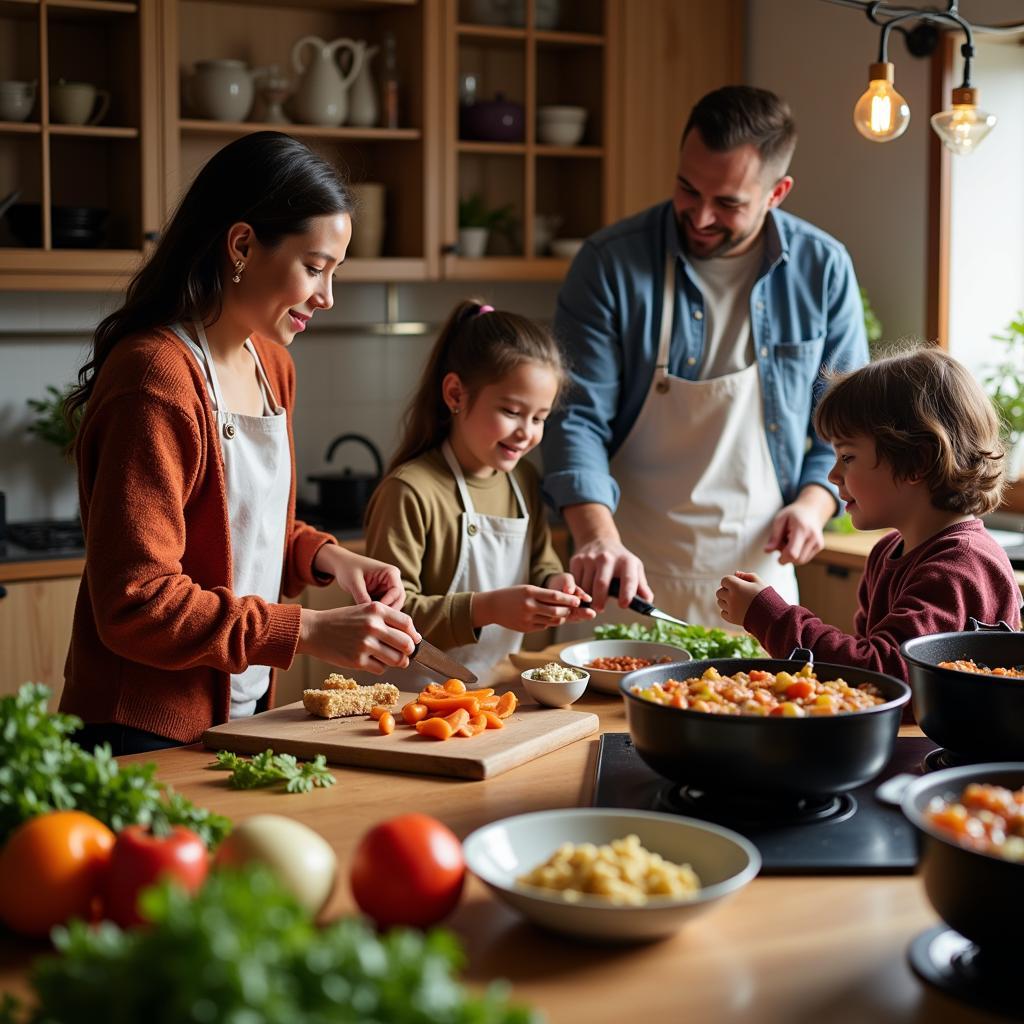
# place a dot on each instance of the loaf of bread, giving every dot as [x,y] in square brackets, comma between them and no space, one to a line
[337,701]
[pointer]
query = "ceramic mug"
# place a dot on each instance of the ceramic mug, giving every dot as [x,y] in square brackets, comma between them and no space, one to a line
[75,102]
[16,100]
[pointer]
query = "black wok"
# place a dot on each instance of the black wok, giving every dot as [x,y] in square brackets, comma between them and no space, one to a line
[978,717]
[777,758]
[977,894]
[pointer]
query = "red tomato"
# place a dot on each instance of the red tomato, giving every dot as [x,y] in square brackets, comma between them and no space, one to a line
[51,869]
[408,870]
[140,859]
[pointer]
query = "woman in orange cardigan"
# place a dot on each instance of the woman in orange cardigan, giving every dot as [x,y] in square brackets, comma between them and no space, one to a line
[186,466]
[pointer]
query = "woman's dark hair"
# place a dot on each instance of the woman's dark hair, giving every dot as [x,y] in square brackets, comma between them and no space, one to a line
[482,345]
[268,180]
[741,115]
[929,419]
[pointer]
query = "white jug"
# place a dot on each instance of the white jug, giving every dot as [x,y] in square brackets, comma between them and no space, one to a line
[322,95]
[364,111]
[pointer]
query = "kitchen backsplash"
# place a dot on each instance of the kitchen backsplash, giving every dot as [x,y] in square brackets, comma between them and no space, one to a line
[347,381]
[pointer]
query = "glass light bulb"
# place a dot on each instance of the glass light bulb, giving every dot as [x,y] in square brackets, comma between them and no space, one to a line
[881,113]
[963,127]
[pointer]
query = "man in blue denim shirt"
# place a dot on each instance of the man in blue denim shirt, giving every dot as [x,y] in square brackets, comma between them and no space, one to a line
[697,331]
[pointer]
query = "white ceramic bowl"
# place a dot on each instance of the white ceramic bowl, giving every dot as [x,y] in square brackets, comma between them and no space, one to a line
[555,695]
[502,851]
[606,681]
[560,133]
[573,115]
[566,248]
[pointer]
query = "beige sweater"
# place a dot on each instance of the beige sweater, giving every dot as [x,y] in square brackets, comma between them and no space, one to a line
[413,523]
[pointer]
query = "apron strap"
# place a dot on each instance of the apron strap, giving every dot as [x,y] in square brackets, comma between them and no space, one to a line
[668,307]
[460,481]
[270,404]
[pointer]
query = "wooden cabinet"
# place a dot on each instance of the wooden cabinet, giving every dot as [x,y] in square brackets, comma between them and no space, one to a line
[262,33]
[35,630]
[87,200]
[830,590]
[530,55]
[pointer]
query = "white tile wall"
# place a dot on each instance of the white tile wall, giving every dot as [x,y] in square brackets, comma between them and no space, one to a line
[346,382]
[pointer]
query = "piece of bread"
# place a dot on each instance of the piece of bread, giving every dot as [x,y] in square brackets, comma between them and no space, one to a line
[338,682]
[337,703]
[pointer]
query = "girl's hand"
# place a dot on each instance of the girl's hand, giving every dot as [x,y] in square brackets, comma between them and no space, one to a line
[373,636]
[524,608]
[737,593]
[566,583]
[364,578]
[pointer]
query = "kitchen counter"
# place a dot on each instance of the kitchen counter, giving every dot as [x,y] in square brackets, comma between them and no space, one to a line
[806,949]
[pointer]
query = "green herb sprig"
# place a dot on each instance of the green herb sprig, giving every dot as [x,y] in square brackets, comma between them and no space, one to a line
[701,641]
[42,770]
[243,950]
[270,769]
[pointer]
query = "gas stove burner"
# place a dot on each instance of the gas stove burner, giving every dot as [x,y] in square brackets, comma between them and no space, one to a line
[936,760]
[751,811]
[47,535]
[954,965]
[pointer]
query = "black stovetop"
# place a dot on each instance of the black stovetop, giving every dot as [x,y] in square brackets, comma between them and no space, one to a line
[858,833]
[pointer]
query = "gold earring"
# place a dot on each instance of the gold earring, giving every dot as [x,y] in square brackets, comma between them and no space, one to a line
[239,267]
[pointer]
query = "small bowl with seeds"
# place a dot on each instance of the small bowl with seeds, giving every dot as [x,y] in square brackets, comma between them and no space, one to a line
[555,685]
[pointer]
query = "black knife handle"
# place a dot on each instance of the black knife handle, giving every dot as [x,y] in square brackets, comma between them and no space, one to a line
[638,604]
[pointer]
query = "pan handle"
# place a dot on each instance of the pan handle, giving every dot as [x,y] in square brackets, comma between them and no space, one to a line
[973,625]
[802,654]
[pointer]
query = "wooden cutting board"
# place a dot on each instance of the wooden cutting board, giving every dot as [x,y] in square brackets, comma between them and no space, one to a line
[529,733]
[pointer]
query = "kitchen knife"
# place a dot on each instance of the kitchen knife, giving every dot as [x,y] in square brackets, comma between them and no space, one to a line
[640,606]
[430,657]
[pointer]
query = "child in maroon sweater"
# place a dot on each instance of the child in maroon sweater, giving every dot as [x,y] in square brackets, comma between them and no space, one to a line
[917,449]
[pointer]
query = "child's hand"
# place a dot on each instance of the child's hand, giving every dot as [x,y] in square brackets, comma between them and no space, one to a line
[566,583]
[523,608]
[736,595]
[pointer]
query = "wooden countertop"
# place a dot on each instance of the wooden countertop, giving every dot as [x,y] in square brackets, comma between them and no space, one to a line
[783,950]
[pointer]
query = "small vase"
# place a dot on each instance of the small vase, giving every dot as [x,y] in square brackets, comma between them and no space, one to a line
[473,242]
[363,109]
[368,222]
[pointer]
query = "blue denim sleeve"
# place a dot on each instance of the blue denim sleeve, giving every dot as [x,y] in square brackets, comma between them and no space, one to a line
[846,348]
[578,434]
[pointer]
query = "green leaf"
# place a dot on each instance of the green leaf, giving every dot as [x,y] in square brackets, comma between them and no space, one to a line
[269,769]
[702,642]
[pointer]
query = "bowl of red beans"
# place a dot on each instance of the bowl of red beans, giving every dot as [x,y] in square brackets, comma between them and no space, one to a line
[971,826]
[608,661]
[764,728]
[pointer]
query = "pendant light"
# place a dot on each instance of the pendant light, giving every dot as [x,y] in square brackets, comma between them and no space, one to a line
[881,113]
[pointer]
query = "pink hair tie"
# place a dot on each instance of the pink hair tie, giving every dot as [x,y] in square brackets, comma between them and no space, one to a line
[484,309]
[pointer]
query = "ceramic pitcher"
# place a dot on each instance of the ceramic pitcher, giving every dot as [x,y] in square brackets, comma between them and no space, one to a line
[322,95]
[363,109]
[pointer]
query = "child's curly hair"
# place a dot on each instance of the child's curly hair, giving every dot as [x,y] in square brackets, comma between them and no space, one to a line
[929,419]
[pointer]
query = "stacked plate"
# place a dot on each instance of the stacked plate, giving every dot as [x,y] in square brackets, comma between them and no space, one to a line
[74,227]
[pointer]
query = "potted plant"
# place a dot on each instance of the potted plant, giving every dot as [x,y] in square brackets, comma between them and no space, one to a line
[50,424]
[477,221]
[1005,384]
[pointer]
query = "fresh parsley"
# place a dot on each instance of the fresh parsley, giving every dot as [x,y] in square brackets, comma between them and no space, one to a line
[270,769]
[243,950]
[701,641]
[42,770]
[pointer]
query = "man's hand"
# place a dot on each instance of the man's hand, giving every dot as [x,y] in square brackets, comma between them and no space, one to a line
[796,530]
[736,595]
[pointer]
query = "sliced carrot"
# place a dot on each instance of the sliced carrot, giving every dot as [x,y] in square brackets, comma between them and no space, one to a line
[386,723]
[489,703]
[454,686]
[493,721]
[483,694]
[450,704]
[433,690]
[506,705]
[378,711]
[435,728]
[458,718]
[474,726]
[414,712]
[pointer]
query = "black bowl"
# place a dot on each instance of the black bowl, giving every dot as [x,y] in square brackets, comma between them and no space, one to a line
[765,758]
[72,227]
[979,895]
[978,717]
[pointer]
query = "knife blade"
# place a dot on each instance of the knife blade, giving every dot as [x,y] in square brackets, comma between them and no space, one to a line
[434,659]
[640,606]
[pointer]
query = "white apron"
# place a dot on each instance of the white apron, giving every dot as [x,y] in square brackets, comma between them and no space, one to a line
[257,472]
[698,487]
[494,552]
